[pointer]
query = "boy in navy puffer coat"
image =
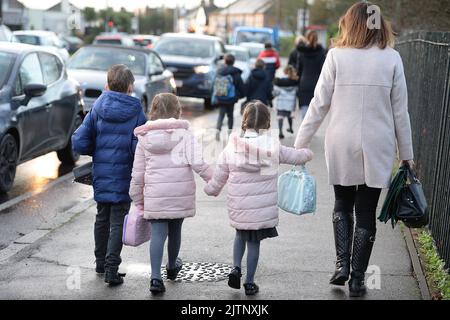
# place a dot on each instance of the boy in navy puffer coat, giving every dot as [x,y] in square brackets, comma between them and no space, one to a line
[107,135]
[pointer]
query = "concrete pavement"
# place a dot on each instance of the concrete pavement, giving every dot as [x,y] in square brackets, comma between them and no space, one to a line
[295,265]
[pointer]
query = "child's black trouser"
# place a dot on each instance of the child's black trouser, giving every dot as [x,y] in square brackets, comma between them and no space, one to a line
[108,234]
[225,109]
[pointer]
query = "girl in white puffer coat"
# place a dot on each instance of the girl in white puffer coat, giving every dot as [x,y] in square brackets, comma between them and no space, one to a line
[285,93]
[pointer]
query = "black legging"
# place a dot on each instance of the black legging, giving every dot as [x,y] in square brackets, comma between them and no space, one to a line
[363,198]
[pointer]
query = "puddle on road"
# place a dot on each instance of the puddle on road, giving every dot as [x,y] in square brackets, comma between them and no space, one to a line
[34,175]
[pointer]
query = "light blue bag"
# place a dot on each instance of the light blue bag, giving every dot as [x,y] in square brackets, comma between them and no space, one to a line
[297,191]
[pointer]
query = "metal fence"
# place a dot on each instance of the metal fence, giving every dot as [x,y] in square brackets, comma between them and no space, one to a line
[426,57]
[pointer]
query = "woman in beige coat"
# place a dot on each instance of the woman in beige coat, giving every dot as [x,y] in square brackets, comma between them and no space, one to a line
[363,89]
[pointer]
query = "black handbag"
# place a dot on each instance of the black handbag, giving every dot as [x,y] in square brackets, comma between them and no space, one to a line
[83,174]
[412,205]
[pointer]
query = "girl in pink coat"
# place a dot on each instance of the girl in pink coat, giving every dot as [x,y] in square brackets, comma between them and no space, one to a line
[163,183]
[249,164]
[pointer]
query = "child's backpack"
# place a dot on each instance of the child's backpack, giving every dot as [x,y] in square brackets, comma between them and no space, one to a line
[223,90]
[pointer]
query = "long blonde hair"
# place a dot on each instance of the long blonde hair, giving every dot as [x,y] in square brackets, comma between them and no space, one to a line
[354,32]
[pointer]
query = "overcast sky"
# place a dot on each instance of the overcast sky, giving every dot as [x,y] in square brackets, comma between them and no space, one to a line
[128,4]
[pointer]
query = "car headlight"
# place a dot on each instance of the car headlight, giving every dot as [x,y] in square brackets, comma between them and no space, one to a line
[202,69]
[172,82]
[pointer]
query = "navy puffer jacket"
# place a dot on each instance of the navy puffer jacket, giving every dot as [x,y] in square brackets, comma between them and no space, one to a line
[107,135]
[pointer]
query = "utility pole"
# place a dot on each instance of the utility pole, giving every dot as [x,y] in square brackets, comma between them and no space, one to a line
[1,11]
[279,13]
[305,10]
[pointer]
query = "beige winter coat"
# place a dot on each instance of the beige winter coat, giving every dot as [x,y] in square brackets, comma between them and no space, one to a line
[364,90]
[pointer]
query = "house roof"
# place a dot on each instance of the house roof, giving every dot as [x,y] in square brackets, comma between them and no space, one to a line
[247,7]
[58,6]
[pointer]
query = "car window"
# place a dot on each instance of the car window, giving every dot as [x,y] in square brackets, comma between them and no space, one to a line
[184,47]
[97,58]
[25,38]
[109,41]
[51,67]
[240,55]
[155,64]
[29,72]
[6,63]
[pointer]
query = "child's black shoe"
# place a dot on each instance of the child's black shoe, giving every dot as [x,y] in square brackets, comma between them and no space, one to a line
[281,136]
[251,289]
[113,278]
[157,286]
[234,278]
[100,268]
[173,273]
[290,130]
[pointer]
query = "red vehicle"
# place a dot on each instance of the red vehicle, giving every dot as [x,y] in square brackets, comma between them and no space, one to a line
[146,41]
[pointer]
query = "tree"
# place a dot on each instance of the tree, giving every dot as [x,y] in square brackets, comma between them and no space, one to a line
[89,14]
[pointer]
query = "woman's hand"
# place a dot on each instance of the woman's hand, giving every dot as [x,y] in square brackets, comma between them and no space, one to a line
[409,163]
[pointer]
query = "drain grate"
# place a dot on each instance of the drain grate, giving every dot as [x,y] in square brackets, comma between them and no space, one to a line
[201,272]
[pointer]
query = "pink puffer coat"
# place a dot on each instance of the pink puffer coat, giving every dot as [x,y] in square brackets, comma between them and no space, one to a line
[162,178]
[250,165]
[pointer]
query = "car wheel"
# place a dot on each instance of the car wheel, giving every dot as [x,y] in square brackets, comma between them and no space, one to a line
[8,162]
[68,155]
[208,104]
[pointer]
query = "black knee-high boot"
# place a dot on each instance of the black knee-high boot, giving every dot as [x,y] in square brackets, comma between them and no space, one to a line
[362,249]
[343,236]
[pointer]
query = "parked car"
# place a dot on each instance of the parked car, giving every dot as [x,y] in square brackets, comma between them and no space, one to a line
[72,43]
[146,41]
[90,64]
[47,39]
[194,60]
[40,108]
[242,60]
[118,39]
[6,34]
[254,49]
[256,35]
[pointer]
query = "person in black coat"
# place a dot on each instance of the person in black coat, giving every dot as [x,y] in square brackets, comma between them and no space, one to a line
[310,60]
[300,41]
[227,108]
[259,86]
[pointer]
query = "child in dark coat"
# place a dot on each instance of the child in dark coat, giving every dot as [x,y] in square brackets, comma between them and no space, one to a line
[107,135]
[258,85]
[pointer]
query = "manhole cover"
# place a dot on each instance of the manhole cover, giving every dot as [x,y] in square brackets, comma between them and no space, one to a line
[201,272]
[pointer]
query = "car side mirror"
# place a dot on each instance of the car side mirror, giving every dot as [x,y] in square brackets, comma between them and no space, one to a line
[33,90]
[156,72]
[219,57]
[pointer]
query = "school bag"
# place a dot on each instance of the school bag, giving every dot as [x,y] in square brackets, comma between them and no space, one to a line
[136,229]
[297,192]
[224,89]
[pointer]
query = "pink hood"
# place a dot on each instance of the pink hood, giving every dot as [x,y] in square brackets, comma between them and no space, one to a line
[162,179]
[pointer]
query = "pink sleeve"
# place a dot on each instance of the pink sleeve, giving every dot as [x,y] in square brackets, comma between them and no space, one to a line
[219,178]
[295,156]
[194,156]
[138,176]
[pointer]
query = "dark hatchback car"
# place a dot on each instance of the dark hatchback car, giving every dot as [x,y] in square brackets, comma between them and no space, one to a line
[194,60]
[40,108]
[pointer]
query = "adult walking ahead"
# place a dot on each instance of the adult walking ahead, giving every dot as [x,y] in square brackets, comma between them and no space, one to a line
[310,59]
[363,87]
